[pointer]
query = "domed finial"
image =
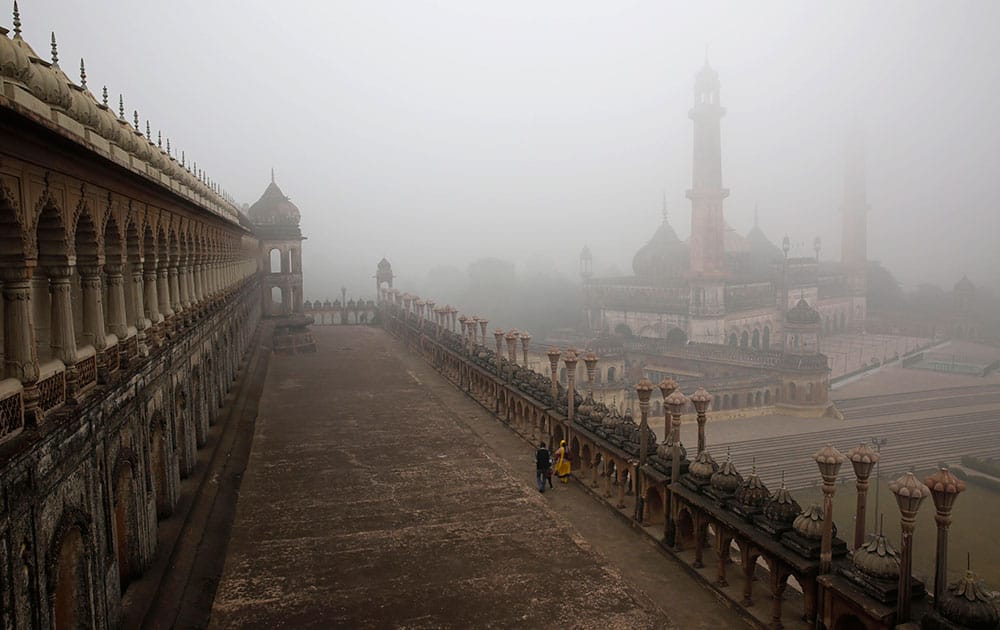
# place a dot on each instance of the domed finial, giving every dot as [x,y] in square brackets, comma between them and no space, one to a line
[149,133]
[168,148]
[83,74]
[135,119]
[17,21]
[121,107]
[183,160]
[104,96]
[159,139]
[55,51]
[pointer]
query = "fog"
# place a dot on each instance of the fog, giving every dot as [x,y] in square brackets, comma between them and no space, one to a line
[439,133]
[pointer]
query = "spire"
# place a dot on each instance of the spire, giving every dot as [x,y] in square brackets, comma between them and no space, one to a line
[55,51]
[149,133]
[83,74]
[135,118]
[17,21]
[159,139]
[272,174]
[104,96]
[168,148]
[183,160]
[121,107]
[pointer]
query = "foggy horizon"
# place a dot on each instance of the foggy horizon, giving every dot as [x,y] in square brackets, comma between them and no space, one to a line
[435,134]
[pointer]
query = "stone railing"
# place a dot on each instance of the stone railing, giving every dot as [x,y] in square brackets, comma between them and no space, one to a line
[51,386]
[11,408]
[86,368]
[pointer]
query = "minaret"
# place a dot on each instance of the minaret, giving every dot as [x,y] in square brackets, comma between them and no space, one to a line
[854,242]
[706,193]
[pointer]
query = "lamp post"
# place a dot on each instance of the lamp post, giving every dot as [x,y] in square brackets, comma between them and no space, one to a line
[590,360]
[570,360]
[863,459]
[643,390]
[525,340]
[553,355]
[701,399]
[945,488]
[512,345]
[910,493]
[483,323]
[829,460]
[676,401]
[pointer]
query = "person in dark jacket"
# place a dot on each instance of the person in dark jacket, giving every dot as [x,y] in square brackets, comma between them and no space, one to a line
[543,461]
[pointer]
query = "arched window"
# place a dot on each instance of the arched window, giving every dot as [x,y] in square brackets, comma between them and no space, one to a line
[809,392]
[791,391]
[745,340]
[611,374]
[755,343]
[767,397]
[767,337]
[274,261]
[732,340]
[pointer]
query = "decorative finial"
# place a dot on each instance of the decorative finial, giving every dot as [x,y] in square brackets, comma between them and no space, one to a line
[159,139]
[104,96]
[17,20]
[83,74]
[55,51]
[168,148]
[121,107]
[149,133]
[135,118]
[183,160]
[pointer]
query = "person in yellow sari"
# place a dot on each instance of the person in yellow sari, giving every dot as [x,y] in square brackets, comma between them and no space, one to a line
[562,462]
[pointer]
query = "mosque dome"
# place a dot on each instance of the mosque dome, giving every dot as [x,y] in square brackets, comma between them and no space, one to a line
[727,478]
[752,492]
[273,207]
[665,450]
[46,82]
[802,313]
[781,507]
[14,63]
[809,524]
[964,285]
[664,256]
[877,558]
[969,604]
[703,466]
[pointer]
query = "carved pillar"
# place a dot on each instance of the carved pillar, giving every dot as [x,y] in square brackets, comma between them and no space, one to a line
[19,353]
[700,529]
[116,318]
[722,542]
[570,360]
[620,481]
[63,341]
[140,322]
[945,488]
[749,568]
[174,290]
[199,283]
[182,287]
[151,301]
[188,278]
[94,331]
[779,581]
[163,293]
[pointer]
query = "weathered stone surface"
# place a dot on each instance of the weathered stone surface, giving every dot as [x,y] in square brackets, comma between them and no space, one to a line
[367,504]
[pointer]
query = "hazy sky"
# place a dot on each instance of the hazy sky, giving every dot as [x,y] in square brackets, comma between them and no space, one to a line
[439,132]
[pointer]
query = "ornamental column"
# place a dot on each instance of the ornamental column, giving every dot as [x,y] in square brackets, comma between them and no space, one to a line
[182,287]
[525,340]
[140,322]
[829,460]
[163,293]
[199,283]
[19,354]
[553,355]
[174,291]
[63,341]
[643,389]
[863,459]
[676,402]
[910,493]
[512,346]
[945,488]
[188,278]
[117,319]
[94,331]
[590,360]
[570,360]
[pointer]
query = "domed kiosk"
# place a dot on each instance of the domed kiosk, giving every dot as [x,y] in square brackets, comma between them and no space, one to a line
[276,221]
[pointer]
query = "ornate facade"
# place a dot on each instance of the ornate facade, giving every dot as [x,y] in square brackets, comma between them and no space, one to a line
[131,293]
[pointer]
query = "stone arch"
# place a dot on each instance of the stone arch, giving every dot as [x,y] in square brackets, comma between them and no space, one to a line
[184,432]
[68,566]
[653,505]
[765,338]
[557,435]
[809,392]
[767,397]
[124,520]
[14,243]
[158,464]
[733,340]
[745,339]
[624,330]
[757,399]
[725,401]
[685,528]
[791,391]
[274,259]
[611,374]
[574,449]
[755,339]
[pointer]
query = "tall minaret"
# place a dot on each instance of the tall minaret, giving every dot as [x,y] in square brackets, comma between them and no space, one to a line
[706,193]
[854,241]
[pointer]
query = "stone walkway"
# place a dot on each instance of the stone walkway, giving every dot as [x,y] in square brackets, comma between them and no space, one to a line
[377,495]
